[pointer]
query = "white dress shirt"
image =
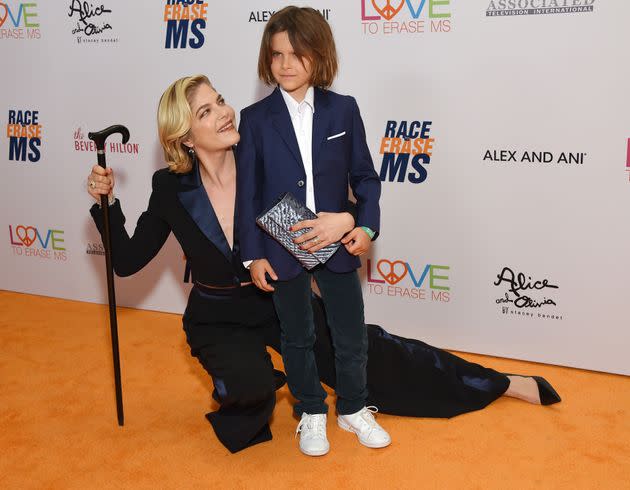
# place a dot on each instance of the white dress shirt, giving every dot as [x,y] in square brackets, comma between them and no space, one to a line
[302,119]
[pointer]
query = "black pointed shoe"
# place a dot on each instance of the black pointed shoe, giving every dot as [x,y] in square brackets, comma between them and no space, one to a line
[548,396]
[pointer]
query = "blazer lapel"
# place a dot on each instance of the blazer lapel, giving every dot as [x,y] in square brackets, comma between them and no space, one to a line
[195,200]
[281,122]
[321,122]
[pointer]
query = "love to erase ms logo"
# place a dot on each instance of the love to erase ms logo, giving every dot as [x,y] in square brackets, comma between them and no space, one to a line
[405,16]
[405,144]
[29,241]
[25,135]
[19,20]
[185,22]
[400,278]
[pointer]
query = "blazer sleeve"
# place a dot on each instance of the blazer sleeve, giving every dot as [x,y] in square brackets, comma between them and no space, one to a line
[130,254]
[364,181]
[249,182]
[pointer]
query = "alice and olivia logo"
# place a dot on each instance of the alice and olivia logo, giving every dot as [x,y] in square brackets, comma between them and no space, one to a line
[30,241]
[185,22]
[92,22]
[81,144]
[19,21]
[25,135]
[405,16]
[399,278]
[406,143]
[501,8]
[533,156]
[524,296]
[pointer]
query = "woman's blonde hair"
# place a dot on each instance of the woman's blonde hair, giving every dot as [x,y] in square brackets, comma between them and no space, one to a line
[174,119]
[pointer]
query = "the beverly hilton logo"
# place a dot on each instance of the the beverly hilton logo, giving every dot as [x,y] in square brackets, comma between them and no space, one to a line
[405,16]
[501,8]
[82,144]
[399,278]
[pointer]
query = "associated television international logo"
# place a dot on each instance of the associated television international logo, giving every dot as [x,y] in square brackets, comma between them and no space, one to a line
[405,16]
[25,136]
[29,241]
[185,22]
[402,279]
[19,20]
[405,144]
[501,8]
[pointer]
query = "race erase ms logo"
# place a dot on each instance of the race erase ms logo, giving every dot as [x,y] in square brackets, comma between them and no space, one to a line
[185,22]
[25,135]
[406,147]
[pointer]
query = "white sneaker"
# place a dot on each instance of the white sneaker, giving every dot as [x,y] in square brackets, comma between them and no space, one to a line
[312,430]
[363,424]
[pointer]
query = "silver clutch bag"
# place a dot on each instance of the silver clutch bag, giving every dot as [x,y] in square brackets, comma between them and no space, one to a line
[277,222]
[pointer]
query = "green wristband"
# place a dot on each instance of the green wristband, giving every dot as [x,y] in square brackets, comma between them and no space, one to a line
[369,232]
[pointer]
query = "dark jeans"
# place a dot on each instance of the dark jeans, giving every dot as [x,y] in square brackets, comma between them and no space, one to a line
[341,293]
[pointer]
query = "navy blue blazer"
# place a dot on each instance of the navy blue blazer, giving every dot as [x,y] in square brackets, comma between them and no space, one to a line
[269,164]
[178,203]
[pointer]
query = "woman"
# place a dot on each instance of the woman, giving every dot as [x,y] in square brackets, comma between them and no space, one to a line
[228,322]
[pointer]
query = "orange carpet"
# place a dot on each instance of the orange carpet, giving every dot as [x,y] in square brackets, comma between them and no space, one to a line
[58,424]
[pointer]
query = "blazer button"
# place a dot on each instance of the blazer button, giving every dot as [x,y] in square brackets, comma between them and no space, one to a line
[300,183]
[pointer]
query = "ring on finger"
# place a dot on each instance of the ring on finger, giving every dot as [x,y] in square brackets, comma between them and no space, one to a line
[92,184]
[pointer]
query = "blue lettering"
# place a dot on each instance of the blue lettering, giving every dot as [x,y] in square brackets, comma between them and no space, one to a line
[415,13]
[418,283]
[396,165]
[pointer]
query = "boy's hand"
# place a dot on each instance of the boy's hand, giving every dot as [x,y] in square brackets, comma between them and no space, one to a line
[257,269]
[327,228]
[357,242]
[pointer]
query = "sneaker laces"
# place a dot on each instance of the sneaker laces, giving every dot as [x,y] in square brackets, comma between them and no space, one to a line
[367,416]
[315,426]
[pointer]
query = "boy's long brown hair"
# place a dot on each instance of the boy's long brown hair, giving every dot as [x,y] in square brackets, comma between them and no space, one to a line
[311,38]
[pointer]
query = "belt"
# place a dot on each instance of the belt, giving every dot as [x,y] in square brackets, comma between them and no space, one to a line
[235,291]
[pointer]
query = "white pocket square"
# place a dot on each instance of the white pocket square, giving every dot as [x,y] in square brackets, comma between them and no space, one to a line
[338,135]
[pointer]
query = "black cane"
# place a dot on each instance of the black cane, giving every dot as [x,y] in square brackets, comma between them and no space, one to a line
[99,138]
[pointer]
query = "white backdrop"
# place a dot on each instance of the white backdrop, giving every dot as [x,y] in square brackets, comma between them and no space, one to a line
[526,108]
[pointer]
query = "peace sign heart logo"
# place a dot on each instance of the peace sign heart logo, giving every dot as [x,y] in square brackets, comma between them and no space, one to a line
[387,11]
[27,234]
[392,274]
[6,13]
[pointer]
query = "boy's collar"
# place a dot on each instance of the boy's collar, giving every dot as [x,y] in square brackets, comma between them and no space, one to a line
[309,98]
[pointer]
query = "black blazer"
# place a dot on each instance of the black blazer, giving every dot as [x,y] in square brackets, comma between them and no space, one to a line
[178,203]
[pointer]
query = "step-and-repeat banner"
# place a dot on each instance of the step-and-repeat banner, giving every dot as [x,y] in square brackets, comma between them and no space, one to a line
[500,130]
